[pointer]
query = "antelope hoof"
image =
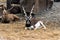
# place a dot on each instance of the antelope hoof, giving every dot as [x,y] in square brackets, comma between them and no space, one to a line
[25,28]
[44,28]
[35,28]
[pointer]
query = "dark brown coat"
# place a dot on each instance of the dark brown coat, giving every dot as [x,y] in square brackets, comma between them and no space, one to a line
[34,21]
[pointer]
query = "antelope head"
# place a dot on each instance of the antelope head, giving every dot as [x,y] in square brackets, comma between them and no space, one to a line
[28,17]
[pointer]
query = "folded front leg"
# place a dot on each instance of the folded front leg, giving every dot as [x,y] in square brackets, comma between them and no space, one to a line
[42,24]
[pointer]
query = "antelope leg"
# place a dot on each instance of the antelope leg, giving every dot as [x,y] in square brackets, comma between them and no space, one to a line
[42,24]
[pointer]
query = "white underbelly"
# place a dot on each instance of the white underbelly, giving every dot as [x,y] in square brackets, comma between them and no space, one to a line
[37,25]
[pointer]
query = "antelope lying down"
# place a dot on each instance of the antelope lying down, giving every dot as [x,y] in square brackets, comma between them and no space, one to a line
[7,17]
[31,21]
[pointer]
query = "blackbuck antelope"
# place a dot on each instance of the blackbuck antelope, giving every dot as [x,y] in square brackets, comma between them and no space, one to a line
[7,17]
[31,21]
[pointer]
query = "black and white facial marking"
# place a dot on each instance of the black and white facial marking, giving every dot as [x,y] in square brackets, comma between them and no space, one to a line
[28,22]
[27,18]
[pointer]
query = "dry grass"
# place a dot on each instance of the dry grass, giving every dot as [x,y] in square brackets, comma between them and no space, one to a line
[16,31]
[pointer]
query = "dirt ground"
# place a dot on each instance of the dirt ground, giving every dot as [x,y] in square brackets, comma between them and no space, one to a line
[16,31]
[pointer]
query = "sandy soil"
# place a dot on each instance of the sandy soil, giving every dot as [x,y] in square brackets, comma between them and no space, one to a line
[16,31]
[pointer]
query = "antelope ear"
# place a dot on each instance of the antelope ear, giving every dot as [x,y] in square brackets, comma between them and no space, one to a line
[4,11]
